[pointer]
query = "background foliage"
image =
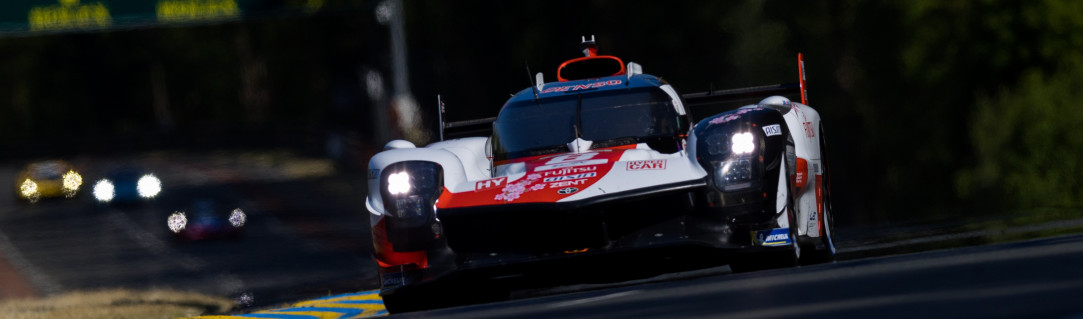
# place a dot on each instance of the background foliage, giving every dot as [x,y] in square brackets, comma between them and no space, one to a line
[934,110]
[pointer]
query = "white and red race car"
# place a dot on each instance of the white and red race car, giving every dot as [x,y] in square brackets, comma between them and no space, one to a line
[604,162]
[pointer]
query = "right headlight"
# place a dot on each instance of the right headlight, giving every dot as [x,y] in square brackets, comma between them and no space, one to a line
[410,190]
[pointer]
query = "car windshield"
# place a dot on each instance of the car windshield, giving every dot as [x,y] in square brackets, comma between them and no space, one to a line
[529,128]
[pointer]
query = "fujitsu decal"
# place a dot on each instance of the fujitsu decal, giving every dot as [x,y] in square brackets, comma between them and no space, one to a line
[646,165]
[578,87]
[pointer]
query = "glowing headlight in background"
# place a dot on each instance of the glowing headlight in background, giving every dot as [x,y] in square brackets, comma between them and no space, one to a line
[398,183]
[104,190]
[237,218]
[28,188]
[743,143]
[177,221]
[72,180]
[148,186]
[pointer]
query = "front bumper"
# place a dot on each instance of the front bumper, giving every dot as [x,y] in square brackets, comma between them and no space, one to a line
[518,244]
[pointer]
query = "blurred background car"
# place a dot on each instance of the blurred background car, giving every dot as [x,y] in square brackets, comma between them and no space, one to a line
[205,219]
[47,179]
[127,185]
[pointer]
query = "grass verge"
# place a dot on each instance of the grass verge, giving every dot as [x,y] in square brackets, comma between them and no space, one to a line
[116,303]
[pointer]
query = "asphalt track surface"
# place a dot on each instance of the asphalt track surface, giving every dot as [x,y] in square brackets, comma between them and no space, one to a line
[308,240]
[1031,279]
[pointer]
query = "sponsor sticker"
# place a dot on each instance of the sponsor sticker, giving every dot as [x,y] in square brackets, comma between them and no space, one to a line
[593,85]
[773,237]
[569,177]
[571,160]
[569,170]
[490,183]
[808,129]
[568,190]
[393,279]
[570,164]
[772,130]
[645,165]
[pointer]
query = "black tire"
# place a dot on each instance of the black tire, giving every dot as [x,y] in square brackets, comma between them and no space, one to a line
[418,300]
[824,249]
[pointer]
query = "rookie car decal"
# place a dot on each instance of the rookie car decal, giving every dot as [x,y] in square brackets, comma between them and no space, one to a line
[645,165]
[773,237]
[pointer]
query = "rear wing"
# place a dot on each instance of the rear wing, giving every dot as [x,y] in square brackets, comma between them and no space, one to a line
[467,128]
[725,97]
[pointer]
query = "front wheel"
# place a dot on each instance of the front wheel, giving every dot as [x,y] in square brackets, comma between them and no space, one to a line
[783,257]
[824,250]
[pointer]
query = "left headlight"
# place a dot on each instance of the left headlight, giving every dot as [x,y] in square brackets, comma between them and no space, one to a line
[148,186]
[732,158]
[28,188]
[104,191]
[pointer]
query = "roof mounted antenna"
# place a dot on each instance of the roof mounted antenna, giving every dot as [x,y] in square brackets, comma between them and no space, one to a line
[533,81]
[589,47]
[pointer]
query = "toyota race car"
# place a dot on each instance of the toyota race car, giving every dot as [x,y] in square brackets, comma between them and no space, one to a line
[606,161]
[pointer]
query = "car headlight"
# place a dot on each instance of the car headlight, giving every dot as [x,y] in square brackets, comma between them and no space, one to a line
[742,143]
[733,159]
[72,181]
[148,186]
[237,218]
[177,221]
[410,190]
[733,174]
[398,183]
[28,188]
[104,191]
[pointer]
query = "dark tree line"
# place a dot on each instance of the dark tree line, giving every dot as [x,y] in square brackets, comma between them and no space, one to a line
[934,109]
